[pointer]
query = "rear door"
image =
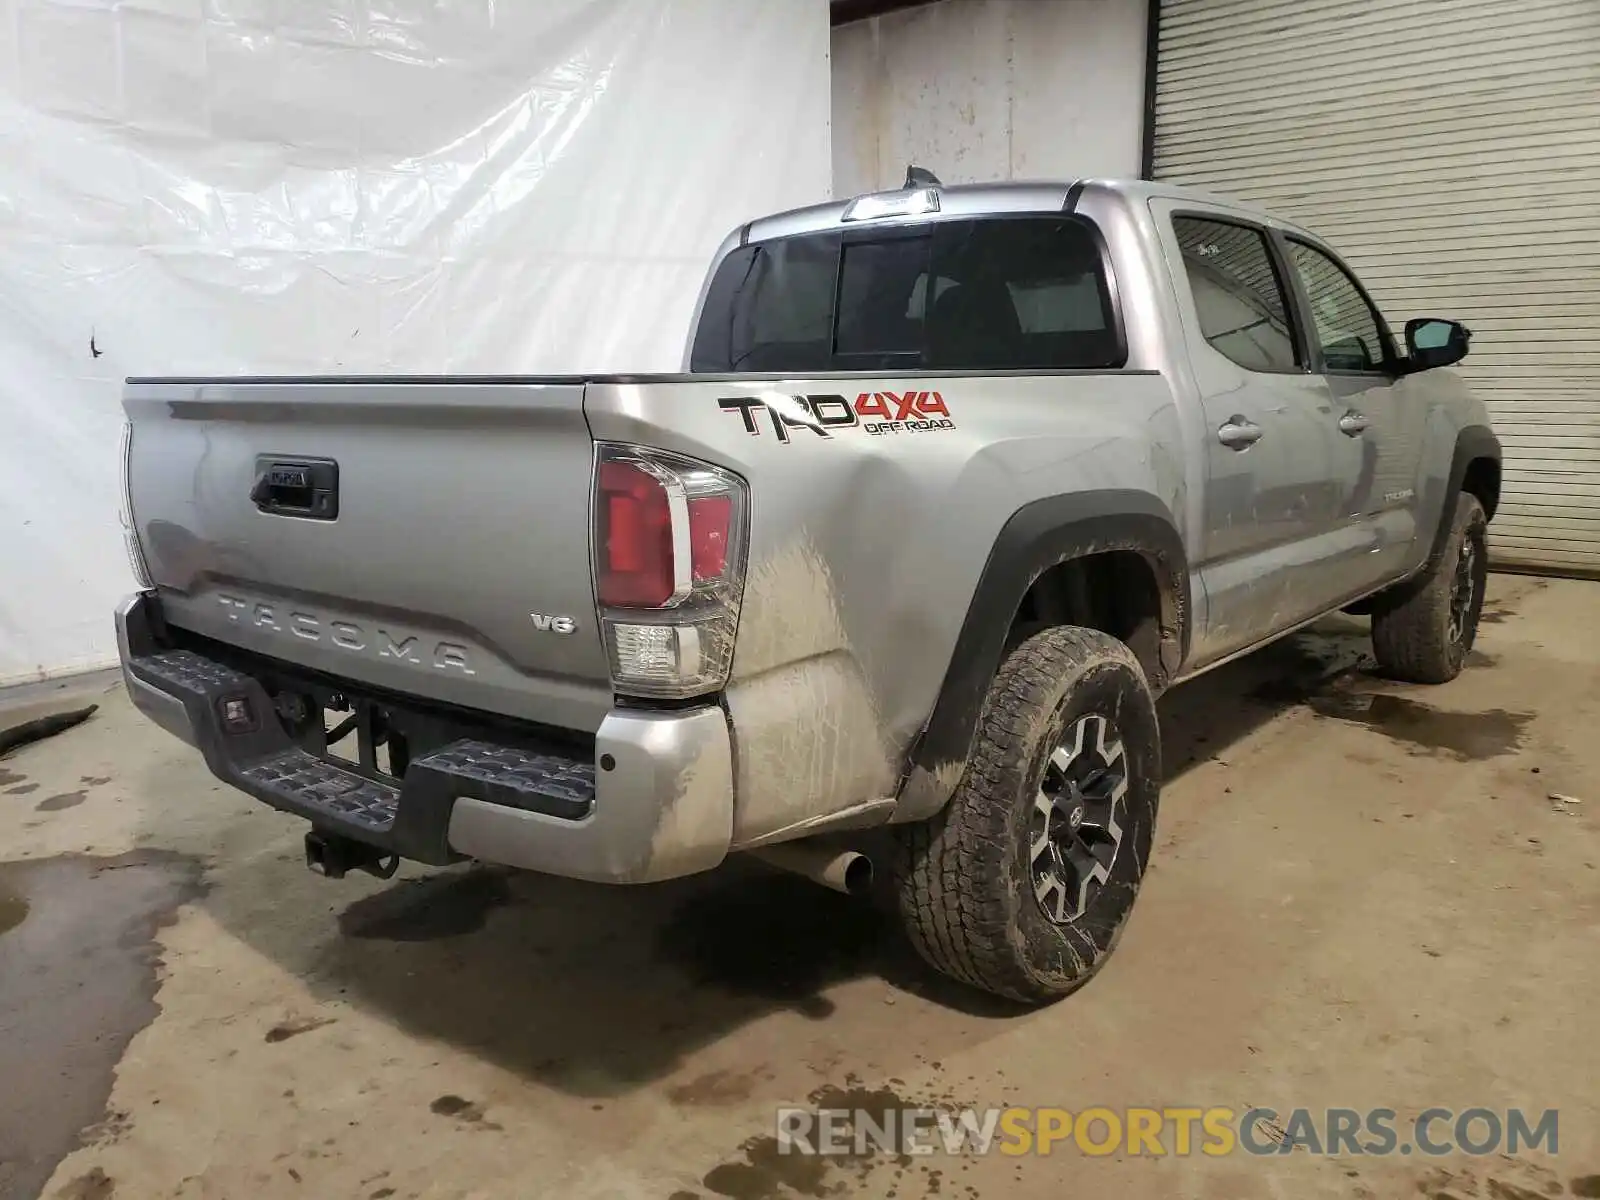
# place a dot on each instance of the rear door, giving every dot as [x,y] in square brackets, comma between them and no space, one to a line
[1271,499]
[1352,350]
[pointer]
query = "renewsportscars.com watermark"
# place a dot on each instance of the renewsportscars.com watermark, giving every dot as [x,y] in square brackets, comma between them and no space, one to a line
[1160,1132]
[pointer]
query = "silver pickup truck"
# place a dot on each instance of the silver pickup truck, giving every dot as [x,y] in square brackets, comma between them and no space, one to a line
[956,481]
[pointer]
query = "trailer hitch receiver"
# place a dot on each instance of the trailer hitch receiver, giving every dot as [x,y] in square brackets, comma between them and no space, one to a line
[335,856]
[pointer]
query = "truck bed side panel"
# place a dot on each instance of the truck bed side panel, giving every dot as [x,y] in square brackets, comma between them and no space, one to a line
[866,547]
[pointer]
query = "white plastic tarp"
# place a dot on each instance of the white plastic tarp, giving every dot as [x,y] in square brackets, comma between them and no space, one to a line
[357,186]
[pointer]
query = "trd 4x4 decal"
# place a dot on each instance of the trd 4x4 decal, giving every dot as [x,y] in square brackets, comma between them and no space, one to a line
[876,412]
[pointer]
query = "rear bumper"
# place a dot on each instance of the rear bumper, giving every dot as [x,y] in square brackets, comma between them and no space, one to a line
[655,802]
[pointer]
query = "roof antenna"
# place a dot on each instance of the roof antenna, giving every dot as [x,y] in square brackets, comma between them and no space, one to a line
[921,177]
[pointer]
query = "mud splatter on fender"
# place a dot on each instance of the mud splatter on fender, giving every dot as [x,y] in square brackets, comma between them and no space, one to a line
[790,611]
[808,745]
[808,730]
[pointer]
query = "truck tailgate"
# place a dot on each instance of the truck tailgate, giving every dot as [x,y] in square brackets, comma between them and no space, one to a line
[427,537]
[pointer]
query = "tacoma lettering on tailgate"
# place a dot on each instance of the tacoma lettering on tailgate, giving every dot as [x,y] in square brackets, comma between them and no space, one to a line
[376,642]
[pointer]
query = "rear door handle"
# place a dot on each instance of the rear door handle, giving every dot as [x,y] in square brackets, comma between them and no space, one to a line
[1239,433]
[1352,423]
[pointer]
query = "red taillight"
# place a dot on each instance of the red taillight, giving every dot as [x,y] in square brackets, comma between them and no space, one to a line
[669,551]
[635,538]
[710,522]
[638,568]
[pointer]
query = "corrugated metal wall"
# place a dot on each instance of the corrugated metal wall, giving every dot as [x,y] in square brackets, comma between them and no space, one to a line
[1451,150]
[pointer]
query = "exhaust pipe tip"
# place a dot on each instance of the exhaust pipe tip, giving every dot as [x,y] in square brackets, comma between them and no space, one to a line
[857,874]
[846,871]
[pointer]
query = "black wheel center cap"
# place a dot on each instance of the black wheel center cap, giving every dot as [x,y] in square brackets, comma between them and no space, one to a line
[1070,808]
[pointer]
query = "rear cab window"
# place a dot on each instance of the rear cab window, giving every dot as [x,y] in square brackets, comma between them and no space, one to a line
[993,293]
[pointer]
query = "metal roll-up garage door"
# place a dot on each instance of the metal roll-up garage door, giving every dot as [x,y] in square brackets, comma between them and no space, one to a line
[1450,149]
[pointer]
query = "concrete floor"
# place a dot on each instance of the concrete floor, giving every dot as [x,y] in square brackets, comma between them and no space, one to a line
[1361,896]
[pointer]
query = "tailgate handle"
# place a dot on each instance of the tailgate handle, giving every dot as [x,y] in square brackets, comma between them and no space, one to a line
[299,487]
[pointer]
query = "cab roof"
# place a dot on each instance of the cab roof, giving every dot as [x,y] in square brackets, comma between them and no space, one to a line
[988,199]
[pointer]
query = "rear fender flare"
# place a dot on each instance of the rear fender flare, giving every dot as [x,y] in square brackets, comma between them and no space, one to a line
[1037,537]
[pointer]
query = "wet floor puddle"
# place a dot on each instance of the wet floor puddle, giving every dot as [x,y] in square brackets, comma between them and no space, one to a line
[766,1169]
[13,909]
[1421,728]
[1467,736]
[78,960]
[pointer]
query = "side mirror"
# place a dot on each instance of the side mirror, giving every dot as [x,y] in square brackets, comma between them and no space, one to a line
[1434,342]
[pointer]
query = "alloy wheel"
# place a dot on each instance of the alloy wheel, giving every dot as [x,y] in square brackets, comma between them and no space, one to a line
[1076,827]
[1463,590]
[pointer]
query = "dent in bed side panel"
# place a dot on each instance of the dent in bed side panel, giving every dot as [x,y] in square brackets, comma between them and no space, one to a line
[803,713]
[866,547]
[810,745]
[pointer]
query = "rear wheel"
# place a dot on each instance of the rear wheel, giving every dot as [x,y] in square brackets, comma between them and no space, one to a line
[1021,886]
[1424,633]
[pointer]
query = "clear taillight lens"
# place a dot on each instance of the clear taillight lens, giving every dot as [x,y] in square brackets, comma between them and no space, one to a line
[669,536]
[130,539]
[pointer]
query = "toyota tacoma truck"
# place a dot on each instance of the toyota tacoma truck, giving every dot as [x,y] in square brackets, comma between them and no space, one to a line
[954,483]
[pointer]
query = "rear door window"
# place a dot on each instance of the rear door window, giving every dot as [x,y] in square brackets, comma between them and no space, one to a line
[1238,296]
[999,293]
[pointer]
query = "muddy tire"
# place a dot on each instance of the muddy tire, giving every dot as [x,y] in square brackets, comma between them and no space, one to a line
[1021,886]
[1424,632]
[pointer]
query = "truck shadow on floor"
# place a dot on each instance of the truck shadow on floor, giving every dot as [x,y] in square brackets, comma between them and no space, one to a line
[598,990]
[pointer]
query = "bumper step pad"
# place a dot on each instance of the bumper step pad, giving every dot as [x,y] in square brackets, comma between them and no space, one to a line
[410,816]
[547,783]
[187,670]
[315,783]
